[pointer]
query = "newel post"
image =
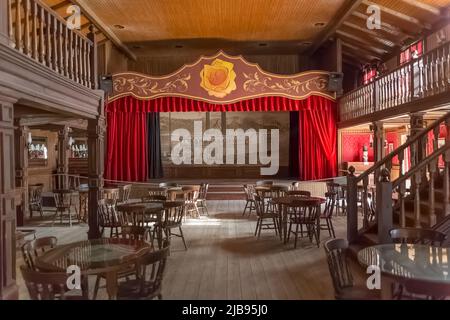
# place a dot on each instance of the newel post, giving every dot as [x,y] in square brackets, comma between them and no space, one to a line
[384,207]
[352,206]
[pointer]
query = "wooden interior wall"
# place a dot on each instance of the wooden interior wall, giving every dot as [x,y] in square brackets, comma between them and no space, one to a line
[110,59]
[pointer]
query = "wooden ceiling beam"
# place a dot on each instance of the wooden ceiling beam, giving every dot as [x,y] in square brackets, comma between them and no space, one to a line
[424,6]
[387,27]
[106,30]
[345,11]
[366,53]
[60,5]
[398,15]
[374,36]
[359,56]
[366,44]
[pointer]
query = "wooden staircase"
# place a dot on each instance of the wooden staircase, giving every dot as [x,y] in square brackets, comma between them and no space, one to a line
[419,198]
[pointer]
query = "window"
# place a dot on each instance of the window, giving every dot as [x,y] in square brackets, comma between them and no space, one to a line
[412,52]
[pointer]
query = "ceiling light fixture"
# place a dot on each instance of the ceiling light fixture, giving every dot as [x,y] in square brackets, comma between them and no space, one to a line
[263,44]
[119,26]
[319,24]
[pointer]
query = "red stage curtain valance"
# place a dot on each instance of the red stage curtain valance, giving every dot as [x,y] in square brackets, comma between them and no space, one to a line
[177,104]
[127,131]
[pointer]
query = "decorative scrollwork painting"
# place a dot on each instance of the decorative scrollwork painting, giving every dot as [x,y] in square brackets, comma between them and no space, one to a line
[221,79]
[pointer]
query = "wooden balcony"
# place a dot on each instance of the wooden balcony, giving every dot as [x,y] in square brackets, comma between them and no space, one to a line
[35,30]
[421,84]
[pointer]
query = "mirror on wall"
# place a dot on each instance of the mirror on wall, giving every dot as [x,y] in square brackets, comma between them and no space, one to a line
[37,151]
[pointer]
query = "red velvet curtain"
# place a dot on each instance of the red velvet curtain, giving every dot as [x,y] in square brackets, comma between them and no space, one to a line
[127,131]
[126,155]
[318,140]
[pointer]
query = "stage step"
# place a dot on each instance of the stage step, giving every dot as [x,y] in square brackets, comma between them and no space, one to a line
[225,192]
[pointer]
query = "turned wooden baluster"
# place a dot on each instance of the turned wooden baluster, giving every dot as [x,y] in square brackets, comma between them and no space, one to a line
[48,38]
[70,49]
[89,75]
[35,27]
[18,30]
[83,60]
[431,74]
[66,52]
[10,24]
[55,43]
[75,57]
[417,182]
[432,203]
[443,81]
[421,78]
[365,202]
[41,35]
[26,18]
[60,46]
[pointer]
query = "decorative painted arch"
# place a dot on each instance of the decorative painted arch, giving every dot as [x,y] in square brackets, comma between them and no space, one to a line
[221,79]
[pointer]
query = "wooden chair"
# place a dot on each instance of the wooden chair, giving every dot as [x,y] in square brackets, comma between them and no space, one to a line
[191,194]
[111,194]
[51,285]
[148,284]
[327,214]
[134,216]
[108,217]
[304,215]
[132,233]
[64,204]
[417,235]
[35,199]
[336,251]
[156,194]
[295,186]
[125,192]
[334,187]
[299,193]
[172,219]
[74,182]
[249,191]
[201,200]
[263,216]
[34,248]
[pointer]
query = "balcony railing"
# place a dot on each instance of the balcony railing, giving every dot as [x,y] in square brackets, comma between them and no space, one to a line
[36,31]
[426,76]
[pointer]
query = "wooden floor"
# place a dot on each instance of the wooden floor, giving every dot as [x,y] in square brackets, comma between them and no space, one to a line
[226,261]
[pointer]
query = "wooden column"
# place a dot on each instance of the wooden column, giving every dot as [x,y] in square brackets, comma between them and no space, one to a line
[352,206]
[378,144]
[384,207]
[417,125]
[62,165]
[96,156]
[8,287]
[4,22]
[21,161]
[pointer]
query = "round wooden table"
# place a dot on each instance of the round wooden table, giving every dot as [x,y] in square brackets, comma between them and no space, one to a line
[94,257]
[287,201]
[424,269]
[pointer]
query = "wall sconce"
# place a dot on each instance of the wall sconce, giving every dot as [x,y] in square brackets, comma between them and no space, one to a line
[371,141]
[29,140]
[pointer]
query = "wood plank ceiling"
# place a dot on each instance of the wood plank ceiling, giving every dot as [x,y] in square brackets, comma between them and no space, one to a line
[302,25]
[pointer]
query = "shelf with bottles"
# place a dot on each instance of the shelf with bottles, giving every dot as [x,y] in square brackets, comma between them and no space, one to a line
[79,150]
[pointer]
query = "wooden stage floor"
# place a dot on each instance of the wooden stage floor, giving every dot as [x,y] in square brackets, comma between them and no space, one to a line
[226,261]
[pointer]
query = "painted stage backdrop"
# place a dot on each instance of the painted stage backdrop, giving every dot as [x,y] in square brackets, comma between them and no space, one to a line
[221,79]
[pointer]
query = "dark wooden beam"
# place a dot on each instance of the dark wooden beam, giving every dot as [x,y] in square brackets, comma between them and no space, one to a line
[60,5]
[360,50]
[398,15]
[389,28]
[367,44]
[345,11]
[106,30]
[424,6]
[373,35]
